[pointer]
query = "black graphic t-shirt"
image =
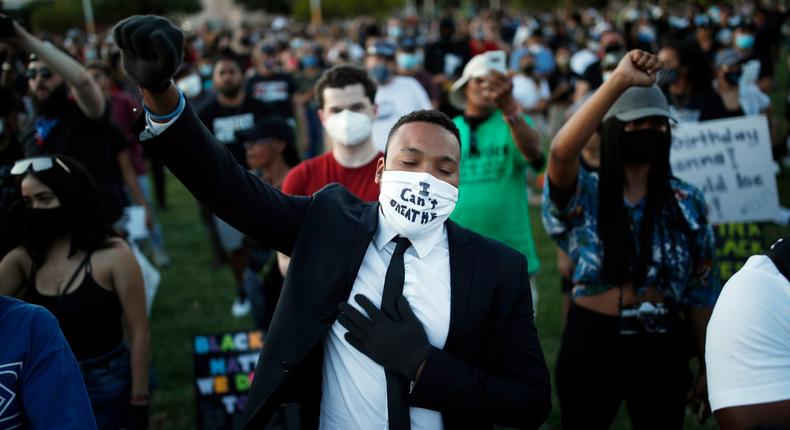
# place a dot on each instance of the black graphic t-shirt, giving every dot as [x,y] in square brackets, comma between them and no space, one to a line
[275,91]
[700,106]
[95,143]
[224,122]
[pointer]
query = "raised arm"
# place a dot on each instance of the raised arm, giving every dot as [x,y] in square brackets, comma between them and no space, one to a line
[151,49]
[637,68]
[527,140]
[86,91]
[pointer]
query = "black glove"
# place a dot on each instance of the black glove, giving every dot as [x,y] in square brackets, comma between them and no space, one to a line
[400,347]
[137,418]
[151,50]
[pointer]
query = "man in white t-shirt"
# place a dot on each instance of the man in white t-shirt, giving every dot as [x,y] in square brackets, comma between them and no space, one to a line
[396,95]
[748,345]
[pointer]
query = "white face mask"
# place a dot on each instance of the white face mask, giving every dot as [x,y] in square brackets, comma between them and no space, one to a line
[415,203]
[190,85]
[349,128]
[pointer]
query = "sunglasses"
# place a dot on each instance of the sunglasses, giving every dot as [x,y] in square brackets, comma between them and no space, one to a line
[44,72]
[37,164]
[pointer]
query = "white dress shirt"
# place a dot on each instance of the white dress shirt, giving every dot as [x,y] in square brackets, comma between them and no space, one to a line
[354,386]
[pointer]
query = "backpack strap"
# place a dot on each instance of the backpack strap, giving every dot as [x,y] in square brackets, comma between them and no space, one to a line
[780,255]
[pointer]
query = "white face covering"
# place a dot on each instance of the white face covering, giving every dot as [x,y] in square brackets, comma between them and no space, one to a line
[190,85]
[349,128]
[416,203]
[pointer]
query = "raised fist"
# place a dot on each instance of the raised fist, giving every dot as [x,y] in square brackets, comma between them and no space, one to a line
[639,68]
[151,50]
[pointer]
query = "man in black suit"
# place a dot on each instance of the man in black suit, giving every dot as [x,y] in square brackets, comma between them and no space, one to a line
[453,344]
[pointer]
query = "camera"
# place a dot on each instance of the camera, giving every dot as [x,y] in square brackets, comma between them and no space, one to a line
[647,318]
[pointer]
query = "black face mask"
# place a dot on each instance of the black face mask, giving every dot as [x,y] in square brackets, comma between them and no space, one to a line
[42,226]
[643,146]
[732,78]
[231,91]
[528,70]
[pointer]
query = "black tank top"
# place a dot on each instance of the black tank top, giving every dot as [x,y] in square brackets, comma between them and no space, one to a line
[89,315]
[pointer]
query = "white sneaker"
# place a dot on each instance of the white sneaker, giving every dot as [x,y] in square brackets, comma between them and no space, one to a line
[240,308]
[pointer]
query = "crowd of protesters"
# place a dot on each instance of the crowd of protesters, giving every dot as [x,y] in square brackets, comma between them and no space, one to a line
[303,106]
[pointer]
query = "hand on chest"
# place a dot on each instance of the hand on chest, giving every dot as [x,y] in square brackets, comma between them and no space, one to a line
[426,286]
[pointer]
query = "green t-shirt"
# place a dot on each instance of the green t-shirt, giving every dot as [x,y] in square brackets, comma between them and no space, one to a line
[492,196]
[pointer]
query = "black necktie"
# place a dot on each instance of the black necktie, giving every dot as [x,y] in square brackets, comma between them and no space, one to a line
[397,385]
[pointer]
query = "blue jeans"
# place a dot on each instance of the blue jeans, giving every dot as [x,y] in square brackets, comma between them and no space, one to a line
[108,379]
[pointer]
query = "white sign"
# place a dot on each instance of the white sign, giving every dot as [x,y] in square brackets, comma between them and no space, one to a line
[730,161]
[135,222]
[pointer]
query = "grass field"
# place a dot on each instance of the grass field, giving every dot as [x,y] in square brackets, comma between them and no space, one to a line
[194,299]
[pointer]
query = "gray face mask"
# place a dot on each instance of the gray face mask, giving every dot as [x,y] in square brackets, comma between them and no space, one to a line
[666,76]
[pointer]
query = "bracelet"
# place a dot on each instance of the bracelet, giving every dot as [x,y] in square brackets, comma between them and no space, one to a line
[182,101]
[511,117]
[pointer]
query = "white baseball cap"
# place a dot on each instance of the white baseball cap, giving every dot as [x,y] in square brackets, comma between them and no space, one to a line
[475,68]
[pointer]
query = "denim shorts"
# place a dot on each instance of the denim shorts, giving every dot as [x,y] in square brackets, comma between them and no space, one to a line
[108,379]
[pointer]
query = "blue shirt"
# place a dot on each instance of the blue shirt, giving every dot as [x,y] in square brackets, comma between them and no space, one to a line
[682,264]
[41,386]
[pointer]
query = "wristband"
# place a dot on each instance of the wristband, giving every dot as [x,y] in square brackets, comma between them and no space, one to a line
[182,101]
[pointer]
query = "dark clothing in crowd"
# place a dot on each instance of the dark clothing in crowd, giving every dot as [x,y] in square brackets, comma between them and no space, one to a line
[224,122]
[696,107]
[649,371]
[89,315]
[95,143]
[276,91]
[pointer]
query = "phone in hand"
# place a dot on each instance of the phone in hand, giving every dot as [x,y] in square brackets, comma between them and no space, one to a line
[6,27]
[495,60]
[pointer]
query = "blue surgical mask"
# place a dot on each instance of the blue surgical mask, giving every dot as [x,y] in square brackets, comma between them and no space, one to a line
[408,61]
[205,70]
[380,73]
[646,34]
[395,32]
[744,41]
[310,61]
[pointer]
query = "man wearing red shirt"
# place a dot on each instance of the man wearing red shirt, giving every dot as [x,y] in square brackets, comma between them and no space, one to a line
[346,109]
[346,97]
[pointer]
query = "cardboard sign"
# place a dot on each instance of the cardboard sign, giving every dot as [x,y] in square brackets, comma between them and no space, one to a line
[224,368]
[735,243]
[730,161]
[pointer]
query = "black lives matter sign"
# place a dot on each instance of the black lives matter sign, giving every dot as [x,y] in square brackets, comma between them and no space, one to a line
[224,366]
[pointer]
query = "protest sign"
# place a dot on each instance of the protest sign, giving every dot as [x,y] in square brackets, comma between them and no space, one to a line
[224,366]
[730,161]
[735,243]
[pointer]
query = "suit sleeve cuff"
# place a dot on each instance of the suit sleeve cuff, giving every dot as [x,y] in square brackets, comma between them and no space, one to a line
[158,124]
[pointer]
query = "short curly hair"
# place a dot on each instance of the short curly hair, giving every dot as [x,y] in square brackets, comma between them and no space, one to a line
[428,115]
[341,76]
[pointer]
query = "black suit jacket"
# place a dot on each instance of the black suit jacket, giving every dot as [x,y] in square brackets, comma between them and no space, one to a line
[491,370]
